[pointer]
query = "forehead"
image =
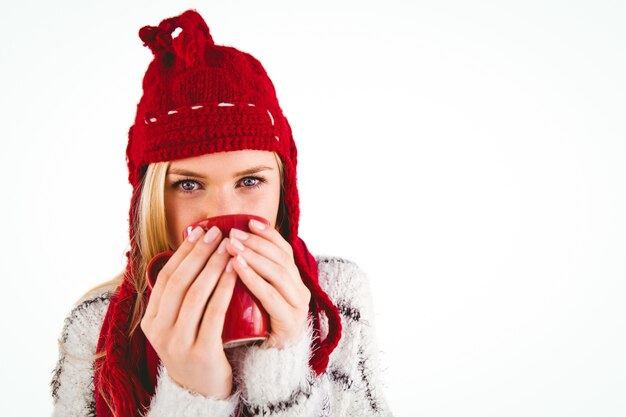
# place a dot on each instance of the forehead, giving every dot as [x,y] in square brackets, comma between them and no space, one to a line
[226,161]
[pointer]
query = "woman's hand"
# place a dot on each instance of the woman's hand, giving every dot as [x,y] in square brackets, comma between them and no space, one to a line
[264,261]
[185,314]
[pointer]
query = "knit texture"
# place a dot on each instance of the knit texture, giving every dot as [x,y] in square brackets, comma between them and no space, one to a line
[351,385]
[174,400]
[199,98]
[71,386]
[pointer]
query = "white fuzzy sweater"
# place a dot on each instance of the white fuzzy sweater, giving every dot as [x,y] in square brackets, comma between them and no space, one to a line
[270,382]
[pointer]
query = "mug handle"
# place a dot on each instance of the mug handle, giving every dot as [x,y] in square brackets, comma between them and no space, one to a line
[155,265]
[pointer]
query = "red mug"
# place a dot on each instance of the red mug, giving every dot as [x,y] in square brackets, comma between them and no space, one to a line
[246,320]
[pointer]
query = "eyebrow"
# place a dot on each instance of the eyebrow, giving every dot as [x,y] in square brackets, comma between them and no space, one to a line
[188,173]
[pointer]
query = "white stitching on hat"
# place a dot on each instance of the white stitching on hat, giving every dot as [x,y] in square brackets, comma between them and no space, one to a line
[200,106]
[277,139]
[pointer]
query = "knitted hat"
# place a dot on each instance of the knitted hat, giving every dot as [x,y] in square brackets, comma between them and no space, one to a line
[199,98]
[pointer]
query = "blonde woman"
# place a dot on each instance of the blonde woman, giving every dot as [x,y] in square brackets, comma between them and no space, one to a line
[210,139]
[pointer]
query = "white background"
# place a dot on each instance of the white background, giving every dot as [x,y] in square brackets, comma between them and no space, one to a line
[470,156]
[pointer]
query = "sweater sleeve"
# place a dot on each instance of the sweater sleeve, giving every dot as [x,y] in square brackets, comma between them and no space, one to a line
[279,382]
[170,399]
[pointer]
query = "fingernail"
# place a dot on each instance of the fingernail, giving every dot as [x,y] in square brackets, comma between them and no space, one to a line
[257,224]
[211,234]
[239,234]
[237,244]
[229,265]
[222,247]
[241,261]
[195,234]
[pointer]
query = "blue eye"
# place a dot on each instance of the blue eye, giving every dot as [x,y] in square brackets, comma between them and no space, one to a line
[252,182]
[187,186]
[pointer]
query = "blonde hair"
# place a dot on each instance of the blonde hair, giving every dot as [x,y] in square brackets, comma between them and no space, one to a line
[150,238]
[151,232]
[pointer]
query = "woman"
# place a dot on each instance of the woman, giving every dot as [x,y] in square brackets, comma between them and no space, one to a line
[209,138]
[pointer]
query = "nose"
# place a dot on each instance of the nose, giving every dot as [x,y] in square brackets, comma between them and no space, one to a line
[221,202]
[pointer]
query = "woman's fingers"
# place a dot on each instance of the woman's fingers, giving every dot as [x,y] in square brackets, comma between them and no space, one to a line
[272,300]
[264,262]
[262,246]
[168,269]
[287,322]
[181,279]
[271,234]
[210,331]
[270,245]
[284,278]
[196,298]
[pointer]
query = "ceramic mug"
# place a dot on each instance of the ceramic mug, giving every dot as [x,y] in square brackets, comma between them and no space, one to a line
[246,320]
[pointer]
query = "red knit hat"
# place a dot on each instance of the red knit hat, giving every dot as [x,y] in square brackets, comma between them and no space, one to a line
[198,98]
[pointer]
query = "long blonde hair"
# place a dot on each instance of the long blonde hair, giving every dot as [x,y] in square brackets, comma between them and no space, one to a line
[151,232]
[150,239]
